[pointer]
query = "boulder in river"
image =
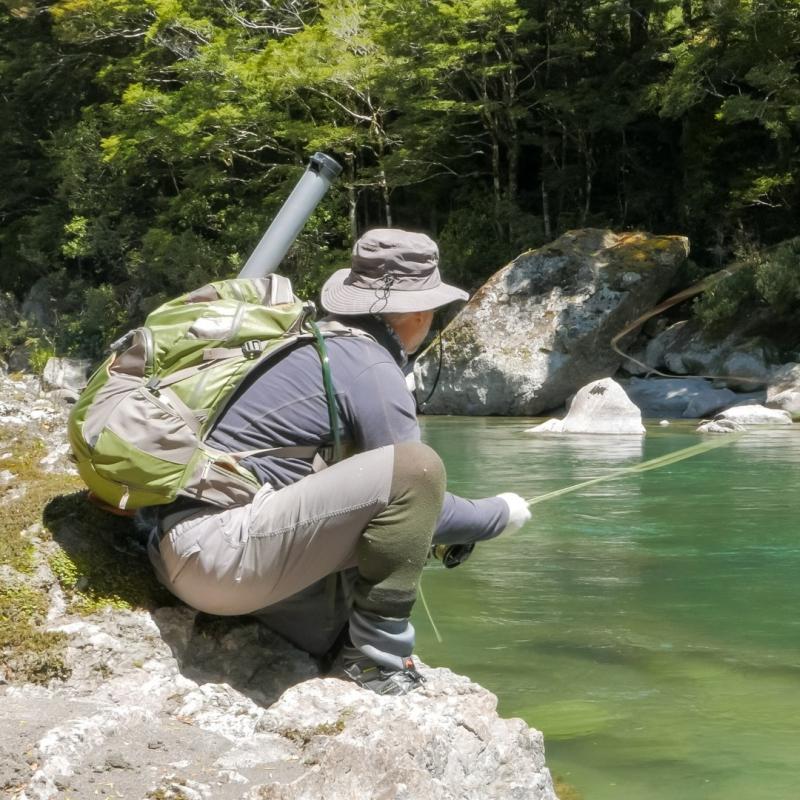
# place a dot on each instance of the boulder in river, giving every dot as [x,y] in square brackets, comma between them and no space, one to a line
[675,398]
[599,407]
[541,327]
[783,391]
[753,414]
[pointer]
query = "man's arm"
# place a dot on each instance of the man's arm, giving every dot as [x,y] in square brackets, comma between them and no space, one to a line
[382,411]
[462,521]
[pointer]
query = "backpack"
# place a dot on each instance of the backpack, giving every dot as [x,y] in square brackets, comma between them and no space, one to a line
[138,431]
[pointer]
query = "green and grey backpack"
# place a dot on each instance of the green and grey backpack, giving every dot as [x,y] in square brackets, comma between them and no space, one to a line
[138,431]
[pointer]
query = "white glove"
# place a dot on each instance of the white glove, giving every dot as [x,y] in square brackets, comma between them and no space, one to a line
[518,511]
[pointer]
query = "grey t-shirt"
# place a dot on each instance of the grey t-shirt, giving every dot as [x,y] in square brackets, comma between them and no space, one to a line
[285,405]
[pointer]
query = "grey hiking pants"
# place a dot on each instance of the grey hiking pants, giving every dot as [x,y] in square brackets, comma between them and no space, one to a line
[375,511]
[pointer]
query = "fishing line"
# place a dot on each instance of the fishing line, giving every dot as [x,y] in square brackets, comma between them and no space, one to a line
[645,466]
[428,612]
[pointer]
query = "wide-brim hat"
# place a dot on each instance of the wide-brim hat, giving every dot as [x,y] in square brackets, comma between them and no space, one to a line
[391,271]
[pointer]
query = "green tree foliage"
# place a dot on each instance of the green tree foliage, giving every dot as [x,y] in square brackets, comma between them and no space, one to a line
[147,143]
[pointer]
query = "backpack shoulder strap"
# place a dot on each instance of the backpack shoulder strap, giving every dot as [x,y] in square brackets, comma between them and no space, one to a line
[332,327]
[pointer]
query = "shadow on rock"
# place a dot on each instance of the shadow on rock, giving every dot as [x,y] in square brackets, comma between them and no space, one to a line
[238,651]
[102,566]
[102,562]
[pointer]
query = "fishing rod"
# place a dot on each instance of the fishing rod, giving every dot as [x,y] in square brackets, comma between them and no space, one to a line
[645,466]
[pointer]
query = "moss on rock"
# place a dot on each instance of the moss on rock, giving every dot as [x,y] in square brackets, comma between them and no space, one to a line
[88,552]
[98,561]
[27,652]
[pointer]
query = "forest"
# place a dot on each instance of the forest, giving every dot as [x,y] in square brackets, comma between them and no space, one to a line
[146,144]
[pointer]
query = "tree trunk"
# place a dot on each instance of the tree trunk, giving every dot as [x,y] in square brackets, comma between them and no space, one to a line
[496,186]
[622,172]
[638,24]
[587,186]
[387,206]
[513,178]
[688,18]
[546,211]
[562,166]
[352,196]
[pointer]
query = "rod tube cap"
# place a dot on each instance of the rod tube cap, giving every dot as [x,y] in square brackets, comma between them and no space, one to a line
[325,166]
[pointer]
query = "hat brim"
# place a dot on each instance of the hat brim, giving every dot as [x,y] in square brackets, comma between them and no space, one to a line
[339,297]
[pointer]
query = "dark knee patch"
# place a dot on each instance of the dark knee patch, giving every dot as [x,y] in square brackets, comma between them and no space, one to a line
[393,548]
[417,469]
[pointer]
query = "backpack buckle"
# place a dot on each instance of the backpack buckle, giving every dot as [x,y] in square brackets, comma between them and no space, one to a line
[252,348]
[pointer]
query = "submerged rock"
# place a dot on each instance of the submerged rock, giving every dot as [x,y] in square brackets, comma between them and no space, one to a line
[540,328]
[720,426]
[599,407]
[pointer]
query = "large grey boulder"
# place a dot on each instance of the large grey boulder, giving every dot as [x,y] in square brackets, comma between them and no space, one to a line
[783,391]
[599,407]
[540,328]
[737,361]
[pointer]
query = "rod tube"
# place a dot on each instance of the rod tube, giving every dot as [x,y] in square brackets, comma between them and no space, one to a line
[294,214]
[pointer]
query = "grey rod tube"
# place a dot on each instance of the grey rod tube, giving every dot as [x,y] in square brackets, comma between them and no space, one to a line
[294,213]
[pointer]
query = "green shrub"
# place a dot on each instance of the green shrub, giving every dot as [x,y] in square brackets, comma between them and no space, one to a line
[473,245]
[718,307]
[769,281]
[777,278]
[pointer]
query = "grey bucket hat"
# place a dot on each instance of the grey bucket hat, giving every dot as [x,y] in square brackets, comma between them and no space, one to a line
[392,271]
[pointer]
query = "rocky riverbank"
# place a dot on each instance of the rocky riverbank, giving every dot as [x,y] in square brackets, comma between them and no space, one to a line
[110,688]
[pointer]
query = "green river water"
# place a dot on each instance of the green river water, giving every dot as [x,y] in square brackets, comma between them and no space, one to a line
[650,625]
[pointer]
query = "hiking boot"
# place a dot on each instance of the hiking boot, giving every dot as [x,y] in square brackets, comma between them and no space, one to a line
[377,678]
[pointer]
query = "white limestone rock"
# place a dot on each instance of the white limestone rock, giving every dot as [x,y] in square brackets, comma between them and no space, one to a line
[65,373]
[755,415]
[231,713]
[599,407]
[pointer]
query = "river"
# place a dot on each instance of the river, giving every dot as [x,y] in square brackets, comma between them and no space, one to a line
[649,625]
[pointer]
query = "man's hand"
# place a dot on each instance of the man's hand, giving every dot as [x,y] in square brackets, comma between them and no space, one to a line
[518,511]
